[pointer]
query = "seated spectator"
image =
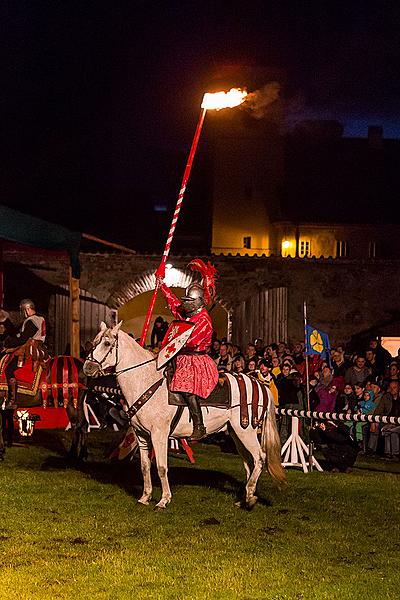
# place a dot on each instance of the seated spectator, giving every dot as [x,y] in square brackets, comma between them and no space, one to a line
[358,373]
[276,367]
[215,349]
[346,401]
[326,376]
[391,435]
[327,395]
[282,349]
[239,364]
[287,358]
[389,405]
[236,350]
[392,373]
[251,352]
[365,407]
[298,348]
[224,360]
[251,366]
[374,384]
[359,394]
[271,351]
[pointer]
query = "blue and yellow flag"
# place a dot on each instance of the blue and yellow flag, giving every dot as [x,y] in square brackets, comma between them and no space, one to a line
[317,342]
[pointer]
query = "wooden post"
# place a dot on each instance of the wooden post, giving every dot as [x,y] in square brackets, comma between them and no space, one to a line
[74,311]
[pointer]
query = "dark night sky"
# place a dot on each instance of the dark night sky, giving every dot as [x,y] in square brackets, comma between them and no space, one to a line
[89,89]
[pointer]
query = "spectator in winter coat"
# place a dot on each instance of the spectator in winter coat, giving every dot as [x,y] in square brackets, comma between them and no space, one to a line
[327,398]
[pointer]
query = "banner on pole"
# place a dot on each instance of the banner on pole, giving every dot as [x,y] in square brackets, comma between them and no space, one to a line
[317,342]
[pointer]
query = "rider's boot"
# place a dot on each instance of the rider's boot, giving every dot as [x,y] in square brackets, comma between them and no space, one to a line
[199,431]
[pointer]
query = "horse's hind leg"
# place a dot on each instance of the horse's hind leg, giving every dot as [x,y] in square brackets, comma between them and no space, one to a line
[253,458]
[145,463]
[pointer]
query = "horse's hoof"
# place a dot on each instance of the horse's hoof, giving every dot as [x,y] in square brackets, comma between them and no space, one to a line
[145,501]
[250,504]
[159,508]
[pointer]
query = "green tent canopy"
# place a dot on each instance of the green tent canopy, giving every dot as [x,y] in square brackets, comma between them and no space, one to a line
[20,228]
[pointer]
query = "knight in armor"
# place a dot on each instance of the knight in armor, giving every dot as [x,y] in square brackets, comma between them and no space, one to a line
[33,328]
[196,374]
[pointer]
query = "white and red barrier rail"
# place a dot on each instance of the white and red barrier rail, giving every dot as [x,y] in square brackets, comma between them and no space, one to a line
[334,416]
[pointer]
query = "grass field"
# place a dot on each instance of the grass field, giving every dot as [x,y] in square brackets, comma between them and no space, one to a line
[79,533]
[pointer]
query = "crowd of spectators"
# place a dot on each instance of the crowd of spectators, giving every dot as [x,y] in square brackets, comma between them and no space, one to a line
[365,382]
[361,383]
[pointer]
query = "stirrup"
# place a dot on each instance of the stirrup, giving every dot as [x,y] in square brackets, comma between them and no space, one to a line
[198,433]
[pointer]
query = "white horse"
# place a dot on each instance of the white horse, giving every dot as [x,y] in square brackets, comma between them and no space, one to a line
[151,415]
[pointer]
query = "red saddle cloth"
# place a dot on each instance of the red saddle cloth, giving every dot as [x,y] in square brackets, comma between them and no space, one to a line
[28,377]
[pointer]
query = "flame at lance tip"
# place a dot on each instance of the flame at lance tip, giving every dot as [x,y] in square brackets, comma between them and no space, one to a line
[220,100]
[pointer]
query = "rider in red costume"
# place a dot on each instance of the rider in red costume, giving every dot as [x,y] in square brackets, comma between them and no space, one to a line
[196,374]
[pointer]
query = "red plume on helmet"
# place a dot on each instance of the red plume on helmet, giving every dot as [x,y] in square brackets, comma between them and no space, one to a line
[209,275]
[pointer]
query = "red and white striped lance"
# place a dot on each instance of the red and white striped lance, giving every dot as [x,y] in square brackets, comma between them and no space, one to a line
[211,101]
[178,207]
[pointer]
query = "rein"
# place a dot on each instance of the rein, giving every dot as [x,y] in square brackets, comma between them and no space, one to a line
[134,366]
[141,401]
[91,358]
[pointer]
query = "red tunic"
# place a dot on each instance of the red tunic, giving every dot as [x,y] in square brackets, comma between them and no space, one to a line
[195,373]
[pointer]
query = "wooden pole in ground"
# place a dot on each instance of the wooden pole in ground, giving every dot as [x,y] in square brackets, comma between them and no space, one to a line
[74,311]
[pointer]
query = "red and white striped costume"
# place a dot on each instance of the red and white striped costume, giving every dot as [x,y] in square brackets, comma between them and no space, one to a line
[196,372]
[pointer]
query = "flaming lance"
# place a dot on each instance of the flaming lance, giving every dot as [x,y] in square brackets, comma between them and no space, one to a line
[216,101]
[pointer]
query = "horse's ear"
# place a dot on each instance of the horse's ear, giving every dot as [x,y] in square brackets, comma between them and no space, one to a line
[103,326]
[115,329]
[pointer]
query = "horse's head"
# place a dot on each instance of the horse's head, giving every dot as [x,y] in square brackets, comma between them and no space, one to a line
[104,354]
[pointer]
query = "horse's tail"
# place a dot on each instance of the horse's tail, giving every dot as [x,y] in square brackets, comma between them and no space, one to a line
[271,443]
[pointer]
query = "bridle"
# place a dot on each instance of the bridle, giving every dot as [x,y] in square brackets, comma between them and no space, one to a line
[113,344]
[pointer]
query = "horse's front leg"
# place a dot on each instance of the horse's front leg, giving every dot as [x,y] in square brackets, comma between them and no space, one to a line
[145,463]
[160,445]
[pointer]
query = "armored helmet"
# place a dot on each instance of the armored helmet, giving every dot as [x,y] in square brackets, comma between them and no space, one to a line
[193,300]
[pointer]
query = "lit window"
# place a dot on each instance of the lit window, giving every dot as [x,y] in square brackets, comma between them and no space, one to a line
[247,241]
[286,246]
[305,248]
[342,249]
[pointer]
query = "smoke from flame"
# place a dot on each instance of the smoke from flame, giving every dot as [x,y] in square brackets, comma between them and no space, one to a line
[220,100]
[259,101]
